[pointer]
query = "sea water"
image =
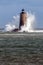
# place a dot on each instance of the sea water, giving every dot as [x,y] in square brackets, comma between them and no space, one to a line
[21,49]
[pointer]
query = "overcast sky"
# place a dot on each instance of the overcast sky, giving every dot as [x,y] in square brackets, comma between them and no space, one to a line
[9,8]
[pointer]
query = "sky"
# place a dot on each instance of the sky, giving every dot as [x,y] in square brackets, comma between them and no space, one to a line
[10,8]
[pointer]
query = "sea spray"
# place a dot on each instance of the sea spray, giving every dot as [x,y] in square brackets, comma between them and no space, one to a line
[12,25]
[29,25]
[9,27]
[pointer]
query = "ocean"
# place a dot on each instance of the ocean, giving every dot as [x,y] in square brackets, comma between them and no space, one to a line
[21,49]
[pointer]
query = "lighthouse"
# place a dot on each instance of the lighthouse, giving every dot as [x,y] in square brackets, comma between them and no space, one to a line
[23,18]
